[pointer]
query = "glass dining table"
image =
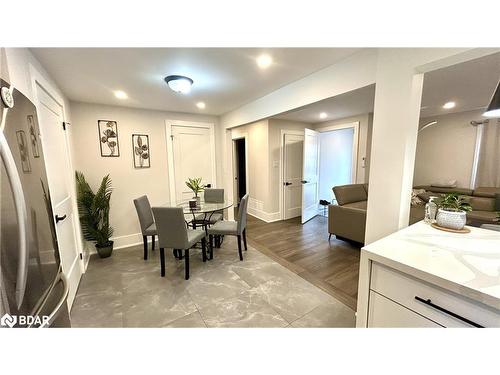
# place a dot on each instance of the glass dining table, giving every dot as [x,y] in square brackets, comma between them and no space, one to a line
[203,212]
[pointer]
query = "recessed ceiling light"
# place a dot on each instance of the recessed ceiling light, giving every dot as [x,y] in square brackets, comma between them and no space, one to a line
[264,61]
[180,84]
[323,115]
[121,94]
[449,105]
[201,105]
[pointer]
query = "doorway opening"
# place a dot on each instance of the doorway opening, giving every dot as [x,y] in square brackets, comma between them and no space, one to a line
[239,169]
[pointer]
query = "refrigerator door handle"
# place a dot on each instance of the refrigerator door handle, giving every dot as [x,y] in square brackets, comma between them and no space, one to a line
[53,315]
[22,217]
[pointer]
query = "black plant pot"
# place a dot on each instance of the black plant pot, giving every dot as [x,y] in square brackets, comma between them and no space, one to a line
[105,251]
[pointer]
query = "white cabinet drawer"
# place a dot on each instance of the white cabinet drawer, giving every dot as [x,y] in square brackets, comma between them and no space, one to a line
[384,313]
[403,289]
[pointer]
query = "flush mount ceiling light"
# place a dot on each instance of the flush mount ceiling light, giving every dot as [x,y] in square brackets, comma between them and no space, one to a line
[180,84]
[449,105]
[121,94]
[264,61]
[323,115]
[200,105]
[493,109]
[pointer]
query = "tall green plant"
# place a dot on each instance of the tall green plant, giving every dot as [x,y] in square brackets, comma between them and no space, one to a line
[94,210]
[453,202]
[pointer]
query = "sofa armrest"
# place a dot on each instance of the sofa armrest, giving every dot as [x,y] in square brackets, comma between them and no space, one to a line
[347,222]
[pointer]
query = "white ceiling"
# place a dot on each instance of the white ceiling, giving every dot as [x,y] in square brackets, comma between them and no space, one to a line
[224,78]
[349,104]
[470,85]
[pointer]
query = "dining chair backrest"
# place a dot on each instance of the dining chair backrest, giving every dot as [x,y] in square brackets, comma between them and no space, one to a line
[214,195]
[242,214]
[144,213]
[171,227]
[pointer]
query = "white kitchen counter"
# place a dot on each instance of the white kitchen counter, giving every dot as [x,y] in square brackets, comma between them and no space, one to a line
[465,264]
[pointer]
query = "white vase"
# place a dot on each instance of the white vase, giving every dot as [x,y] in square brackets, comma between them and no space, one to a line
[451,219]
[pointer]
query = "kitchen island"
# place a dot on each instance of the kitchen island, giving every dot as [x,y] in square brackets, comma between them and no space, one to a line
[423,277]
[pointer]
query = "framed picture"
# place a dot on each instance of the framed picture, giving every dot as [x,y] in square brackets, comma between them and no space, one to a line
[33,132]
[141,151]
[22,143]
[108,138]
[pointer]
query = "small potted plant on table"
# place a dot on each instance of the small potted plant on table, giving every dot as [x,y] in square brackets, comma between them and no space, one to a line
[196,186]
[452,211]
[94,214]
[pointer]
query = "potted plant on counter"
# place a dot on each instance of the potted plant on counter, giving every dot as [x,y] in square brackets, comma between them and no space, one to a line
[196,186]
[452,211]
[93,211]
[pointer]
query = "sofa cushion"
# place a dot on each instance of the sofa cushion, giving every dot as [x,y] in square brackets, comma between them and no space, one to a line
[427,195]
[360,204]
[461,191]
[482,203]
[482,216]
[350,193]
[489,192]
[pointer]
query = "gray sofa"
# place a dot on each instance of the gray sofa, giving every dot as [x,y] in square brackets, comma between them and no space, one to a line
[347,219]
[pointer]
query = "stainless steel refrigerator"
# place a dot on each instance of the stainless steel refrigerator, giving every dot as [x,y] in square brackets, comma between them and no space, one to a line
[33,290]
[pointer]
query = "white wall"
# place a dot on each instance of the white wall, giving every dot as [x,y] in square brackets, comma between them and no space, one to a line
[364,141]
[258,165]
[128,182]
[446,150]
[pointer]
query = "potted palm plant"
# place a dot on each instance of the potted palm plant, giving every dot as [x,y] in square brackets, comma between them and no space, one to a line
[452,211]
[93,210]
[196,186]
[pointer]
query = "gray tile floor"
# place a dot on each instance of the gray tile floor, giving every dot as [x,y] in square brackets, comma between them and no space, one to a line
[126,291]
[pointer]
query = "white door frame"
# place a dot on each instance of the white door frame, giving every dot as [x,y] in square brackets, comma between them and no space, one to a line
[283,132]
[235,137]
[355,142]
[170,151]
[37,79]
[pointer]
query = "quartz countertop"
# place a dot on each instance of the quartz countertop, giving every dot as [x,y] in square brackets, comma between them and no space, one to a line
[467,264]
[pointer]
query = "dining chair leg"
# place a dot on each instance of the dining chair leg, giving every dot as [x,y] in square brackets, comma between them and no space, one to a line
[211,246]
[145,242]
[239,247]
[162,262]
[245,238]
[153,239]
[204,249]
[186,263]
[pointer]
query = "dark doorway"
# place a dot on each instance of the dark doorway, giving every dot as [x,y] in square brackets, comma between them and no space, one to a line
[240,168]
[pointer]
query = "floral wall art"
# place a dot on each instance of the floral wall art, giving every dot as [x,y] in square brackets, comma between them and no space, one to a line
[108,138]
[33,132]
[142,153]
[22,143]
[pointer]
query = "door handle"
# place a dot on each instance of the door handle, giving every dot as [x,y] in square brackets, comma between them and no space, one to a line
[22,217]
[287,183]
[60,218]
[304,181]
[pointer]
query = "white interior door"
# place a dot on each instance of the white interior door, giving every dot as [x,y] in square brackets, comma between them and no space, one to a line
[193,156]
[293,148]
[55,149]
[310,175]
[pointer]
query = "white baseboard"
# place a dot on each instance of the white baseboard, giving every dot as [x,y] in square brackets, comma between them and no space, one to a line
[128,240]
[256,209]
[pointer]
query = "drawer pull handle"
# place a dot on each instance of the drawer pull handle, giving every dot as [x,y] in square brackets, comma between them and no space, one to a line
[428,302]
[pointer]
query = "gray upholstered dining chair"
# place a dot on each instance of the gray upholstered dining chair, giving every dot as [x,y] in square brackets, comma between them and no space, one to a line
[212,196]
[173,233]
[148,226]
[231,228]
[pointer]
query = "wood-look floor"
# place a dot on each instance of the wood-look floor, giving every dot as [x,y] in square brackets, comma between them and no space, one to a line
[304,249]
